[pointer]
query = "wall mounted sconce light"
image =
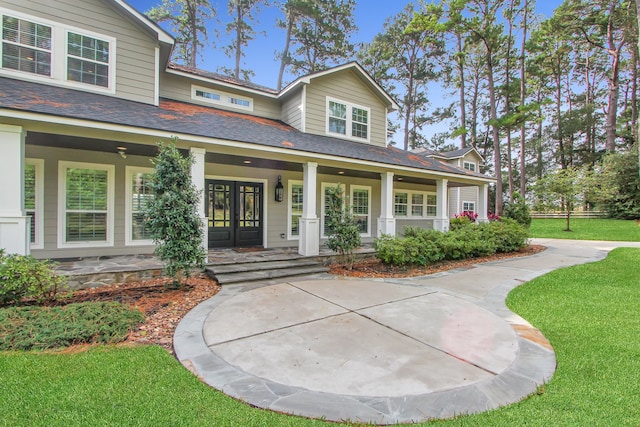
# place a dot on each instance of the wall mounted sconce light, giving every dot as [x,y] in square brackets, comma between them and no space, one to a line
[279,190]
[122,151]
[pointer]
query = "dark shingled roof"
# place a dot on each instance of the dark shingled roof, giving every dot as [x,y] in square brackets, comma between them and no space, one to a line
[455,153]
[220,78]
[190,119]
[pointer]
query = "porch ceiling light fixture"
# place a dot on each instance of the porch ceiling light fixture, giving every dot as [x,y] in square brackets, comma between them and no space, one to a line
[279,190]
[122,151]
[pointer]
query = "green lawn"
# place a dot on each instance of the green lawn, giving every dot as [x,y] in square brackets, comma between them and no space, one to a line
[589,313]
[587,229]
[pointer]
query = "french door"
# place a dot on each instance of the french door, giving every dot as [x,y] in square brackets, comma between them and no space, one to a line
[234,212]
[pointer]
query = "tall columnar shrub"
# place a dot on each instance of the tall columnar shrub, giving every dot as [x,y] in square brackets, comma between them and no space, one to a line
[343,230]
[172,215]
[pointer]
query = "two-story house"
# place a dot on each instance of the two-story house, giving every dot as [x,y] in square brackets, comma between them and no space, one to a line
[461,199]
[87,90]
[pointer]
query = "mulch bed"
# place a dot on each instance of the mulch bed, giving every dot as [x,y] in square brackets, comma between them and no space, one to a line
[376,268]
[165,307]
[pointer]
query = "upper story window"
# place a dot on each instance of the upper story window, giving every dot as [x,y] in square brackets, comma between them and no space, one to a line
[26,46]
[43,50]
[347,120]
[215,96]
[470,166]
[87,60]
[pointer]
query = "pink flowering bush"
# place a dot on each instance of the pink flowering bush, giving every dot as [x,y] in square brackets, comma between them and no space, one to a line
[472,216]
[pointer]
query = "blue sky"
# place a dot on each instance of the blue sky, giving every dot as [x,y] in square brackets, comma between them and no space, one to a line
[260,56]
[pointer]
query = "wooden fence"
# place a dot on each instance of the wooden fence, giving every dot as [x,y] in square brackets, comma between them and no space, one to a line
[574,214]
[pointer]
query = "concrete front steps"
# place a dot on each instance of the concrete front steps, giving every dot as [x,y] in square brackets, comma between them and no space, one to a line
[244,272]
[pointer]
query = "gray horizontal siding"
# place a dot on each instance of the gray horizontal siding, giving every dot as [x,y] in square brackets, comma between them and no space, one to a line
[135,48]
[179,88]
[347,87]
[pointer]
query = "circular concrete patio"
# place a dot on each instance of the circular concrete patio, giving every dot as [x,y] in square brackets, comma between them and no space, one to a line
[364,351]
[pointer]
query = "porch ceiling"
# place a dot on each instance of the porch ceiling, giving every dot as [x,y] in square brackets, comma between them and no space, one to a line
[146,150]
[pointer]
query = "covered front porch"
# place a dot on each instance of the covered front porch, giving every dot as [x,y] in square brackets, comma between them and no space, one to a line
[385,197]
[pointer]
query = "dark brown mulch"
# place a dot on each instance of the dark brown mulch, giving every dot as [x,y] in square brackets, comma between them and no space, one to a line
[164,307]
[376,268]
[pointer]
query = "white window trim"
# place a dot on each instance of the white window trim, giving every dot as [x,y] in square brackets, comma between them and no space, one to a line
[290,185]
[323,186]
[224,98]
[410,204]
[362,187]
[58,60]
[470,203]
[128,237]
[348,134]
[62,203]
[465,163]
[38,243]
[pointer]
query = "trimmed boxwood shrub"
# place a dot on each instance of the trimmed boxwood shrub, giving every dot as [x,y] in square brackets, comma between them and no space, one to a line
[407,251]
[423,247]
[26,277]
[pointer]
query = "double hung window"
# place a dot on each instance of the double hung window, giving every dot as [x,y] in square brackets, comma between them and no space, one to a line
[50,51]
[348,120]
[33,193]
[361,208]
[296,200]
[139,194]
[86,204]
[415,204]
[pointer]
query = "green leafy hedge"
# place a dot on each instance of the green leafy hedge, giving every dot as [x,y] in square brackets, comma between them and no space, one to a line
[24,276]
[40,328]
[424,247]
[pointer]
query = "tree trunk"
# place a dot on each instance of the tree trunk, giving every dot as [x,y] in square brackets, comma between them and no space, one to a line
[285,52]
[495,132]
[614,85]
[636,65]
[463,113]
[193,32]
[523,95]
[236,72]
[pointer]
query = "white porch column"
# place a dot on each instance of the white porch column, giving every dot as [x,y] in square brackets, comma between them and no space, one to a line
[483,199]
[441,223]
[309,243]
[14,225]
[197,178]
[386,222]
